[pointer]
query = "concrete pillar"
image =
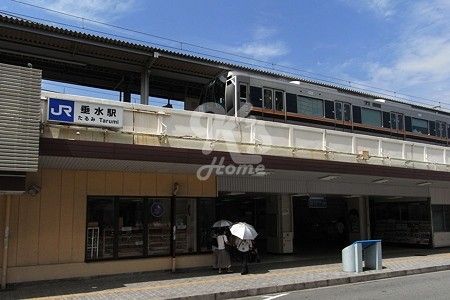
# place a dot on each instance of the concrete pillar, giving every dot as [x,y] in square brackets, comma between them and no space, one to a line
[145,86]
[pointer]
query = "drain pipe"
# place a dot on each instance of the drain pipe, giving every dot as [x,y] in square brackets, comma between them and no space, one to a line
[6,241]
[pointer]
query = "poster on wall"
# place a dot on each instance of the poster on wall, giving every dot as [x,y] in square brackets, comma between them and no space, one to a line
[85,113]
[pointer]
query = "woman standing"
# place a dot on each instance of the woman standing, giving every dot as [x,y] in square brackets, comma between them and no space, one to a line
[223,257]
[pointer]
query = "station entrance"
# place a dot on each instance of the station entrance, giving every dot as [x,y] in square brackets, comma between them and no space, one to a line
[320,222]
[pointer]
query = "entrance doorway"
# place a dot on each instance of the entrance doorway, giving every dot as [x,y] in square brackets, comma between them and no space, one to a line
[320,223]
[245,207]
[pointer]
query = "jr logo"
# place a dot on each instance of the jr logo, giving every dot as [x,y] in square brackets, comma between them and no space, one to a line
[60,110]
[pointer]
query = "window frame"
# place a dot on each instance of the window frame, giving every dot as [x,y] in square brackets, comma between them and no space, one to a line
[271,100]
[299,111]
[245,85]
[146,202]
[422,120]
[363,109]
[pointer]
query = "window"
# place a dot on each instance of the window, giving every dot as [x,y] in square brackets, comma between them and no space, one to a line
[441,218]
[158,236]
[126,227]
[396,121]
[185,223]
[291,102]
[342,111]
[206,212]
[100,228]
[279,100]
[371,117]
[338,110]
[310,106]
[347,112]
[419,125]
[441,129]
[268,99]
[256,96]
[131,227]
[243,92]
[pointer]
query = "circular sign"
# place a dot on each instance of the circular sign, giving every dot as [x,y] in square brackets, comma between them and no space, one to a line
[157,210]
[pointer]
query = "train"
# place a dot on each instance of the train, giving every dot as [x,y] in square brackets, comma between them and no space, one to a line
[305,103]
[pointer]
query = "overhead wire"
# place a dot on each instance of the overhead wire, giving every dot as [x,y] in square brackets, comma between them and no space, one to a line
[342,82]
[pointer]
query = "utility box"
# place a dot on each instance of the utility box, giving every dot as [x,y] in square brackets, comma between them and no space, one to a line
[370,250]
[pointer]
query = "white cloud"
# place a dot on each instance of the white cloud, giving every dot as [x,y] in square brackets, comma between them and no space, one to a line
[263,50]
[263,45]
[263,32]
[384,8]
[419,61]
[99,10]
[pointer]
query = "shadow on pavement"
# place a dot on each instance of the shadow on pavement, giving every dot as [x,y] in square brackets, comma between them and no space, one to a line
[269,262]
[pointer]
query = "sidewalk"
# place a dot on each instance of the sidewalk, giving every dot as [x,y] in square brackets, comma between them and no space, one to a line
[265,278]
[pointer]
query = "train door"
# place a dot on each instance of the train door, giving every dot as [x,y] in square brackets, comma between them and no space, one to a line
[441,129]
[397,122]
[278,104]
[343,112]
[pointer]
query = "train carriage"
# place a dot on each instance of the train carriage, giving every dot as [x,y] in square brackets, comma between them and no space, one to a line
[298,102]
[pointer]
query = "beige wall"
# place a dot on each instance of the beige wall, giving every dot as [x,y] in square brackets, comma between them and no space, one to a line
[49,228]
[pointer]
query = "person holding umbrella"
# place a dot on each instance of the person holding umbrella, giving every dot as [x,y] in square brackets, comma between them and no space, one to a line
[221,255]
[245,234]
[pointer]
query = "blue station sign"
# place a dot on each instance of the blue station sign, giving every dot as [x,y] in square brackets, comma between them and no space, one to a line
[84,113]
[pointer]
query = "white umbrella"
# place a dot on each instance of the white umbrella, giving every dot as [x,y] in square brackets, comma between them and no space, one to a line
[243,231]
[222,223]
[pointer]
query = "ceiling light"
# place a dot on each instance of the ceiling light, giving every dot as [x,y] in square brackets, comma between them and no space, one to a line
[262,173]
[382,180]
[424,183]
[329,177]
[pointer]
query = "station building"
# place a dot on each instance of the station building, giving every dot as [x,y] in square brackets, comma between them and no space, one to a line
[90,186]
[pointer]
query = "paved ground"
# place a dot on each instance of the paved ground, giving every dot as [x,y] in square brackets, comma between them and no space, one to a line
[265,278]
[424,286]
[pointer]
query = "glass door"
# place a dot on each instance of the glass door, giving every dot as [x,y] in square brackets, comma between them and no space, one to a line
[441,129]
[342,112]
[279,101]
[397,123]
[130,227]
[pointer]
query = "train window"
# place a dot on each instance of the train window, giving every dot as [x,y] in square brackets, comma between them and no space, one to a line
[441,129]
[356,114]
[291,102]
[419,125]
[371,117]
[347,112]
[393,121]
[268,99]
[377,105]
[279,100]
[243,92]
[400,122]
[338,110]
[386,119]
[396,121]
[310,106]
[432,127]
[256,96]
[329,109]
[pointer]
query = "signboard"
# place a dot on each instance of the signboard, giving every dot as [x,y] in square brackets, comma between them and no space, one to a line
[317,202]
[84,113]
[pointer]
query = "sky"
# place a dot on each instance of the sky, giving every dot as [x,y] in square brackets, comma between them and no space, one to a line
[401,46]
